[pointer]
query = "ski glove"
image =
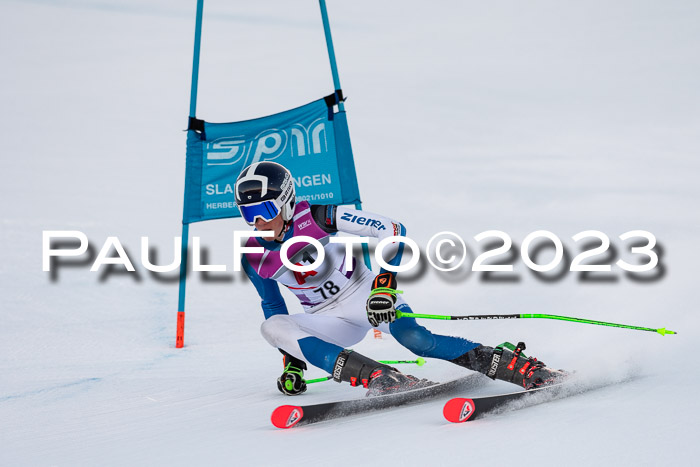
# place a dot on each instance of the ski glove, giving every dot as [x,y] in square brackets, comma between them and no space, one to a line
[292,381]
[380,304]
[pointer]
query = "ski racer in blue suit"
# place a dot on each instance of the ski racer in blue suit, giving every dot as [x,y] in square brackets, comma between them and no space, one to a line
[341,298]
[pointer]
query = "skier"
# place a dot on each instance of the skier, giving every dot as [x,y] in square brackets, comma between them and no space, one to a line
[343,300]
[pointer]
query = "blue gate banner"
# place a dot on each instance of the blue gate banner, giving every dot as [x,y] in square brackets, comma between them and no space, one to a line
[312,141]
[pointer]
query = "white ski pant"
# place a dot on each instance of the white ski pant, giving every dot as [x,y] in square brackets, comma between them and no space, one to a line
[343,323]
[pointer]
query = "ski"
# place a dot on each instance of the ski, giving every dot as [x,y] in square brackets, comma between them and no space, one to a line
[288,416]
[460,409]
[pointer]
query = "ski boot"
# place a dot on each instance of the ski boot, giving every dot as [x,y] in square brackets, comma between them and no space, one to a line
[507,362]
[376,377]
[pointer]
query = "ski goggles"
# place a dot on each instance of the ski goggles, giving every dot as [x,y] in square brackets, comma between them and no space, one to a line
[266,210]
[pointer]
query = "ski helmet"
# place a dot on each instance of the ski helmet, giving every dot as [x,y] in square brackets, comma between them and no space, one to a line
[265,189]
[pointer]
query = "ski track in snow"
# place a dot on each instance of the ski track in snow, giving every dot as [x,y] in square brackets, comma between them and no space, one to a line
[467,118]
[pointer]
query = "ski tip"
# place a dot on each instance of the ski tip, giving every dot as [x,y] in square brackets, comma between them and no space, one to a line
[286,416]
[458,410]
[664,331]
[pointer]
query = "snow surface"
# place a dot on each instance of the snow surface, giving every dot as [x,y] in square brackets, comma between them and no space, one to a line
[466,116]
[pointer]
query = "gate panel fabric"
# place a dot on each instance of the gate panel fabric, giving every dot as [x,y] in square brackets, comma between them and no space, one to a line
[312,141]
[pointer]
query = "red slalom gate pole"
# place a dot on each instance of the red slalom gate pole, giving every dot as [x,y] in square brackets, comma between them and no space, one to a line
[180,338]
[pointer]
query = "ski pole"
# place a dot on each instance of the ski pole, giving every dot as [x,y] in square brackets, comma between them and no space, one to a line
[319,380]
[662,331]
[419,361]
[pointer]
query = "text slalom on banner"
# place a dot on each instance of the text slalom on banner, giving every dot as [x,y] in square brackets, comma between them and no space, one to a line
[312,141]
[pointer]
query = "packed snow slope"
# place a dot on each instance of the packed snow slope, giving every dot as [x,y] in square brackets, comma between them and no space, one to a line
[464,116]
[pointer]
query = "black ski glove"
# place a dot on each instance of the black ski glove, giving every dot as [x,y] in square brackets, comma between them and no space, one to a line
[292,382]
[380,304]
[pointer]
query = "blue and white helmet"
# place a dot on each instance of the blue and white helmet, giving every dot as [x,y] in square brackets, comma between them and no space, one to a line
[265,189]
